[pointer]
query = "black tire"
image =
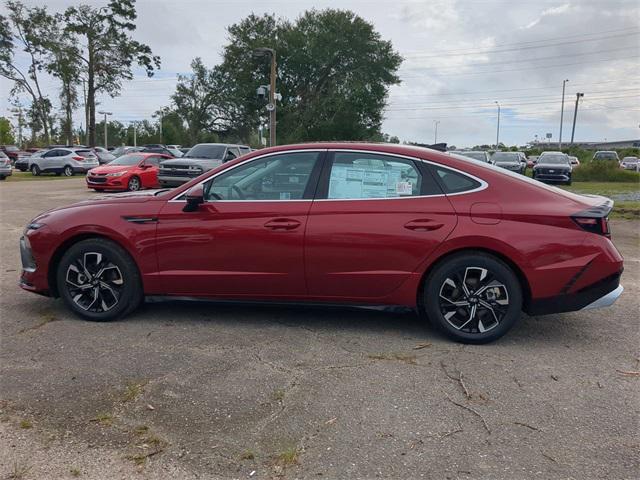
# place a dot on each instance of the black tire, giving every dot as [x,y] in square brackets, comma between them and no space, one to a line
[68,171]
[134,184]
[35,170]
[118,288]
[3,178]
[460,321]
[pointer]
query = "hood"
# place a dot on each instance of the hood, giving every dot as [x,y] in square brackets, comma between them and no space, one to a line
[204,163]
[111,169]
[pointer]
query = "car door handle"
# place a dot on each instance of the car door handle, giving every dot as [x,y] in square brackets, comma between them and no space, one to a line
[425,225]
[282,224]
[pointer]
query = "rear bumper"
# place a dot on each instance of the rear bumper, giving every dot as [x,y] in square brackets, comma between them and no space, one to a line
[598,295]
[5,172]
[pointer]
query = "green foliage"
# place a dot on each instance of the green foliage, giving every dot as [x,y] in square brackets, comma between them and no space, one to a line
[6,132]
[603,171]
[334,71]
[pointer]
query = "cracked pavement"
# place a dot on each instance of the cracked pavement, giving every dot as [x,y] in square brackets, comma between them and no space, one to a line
[202,390]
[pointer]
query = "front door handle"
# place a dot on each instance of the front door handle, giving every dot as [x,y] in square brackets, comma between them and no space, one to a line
[282,224]
[423,225]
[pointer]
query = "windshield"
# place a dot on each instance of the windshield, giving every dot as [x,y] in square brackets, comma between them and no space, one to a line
[206,151]
[130,159]
[502,157]
[606,155]
[553,159]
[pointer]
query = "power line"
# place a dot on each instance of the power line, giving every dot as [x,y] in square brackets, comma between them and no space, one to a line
[440,52]
[482,52]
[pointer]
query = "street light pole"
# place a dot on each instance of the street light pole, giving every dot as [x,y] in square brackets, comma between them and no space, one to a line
[272,92]
[498,129]
[435,134]
[575,114]
[564,82]
[105,127]
[135,133]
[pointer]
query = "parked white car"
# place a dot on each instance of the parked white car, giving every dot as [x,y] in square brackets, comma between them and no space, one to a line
[64,161]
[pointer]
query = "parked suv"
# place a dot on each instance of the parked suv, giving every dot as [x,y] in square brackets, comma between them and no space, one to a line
[553,167]
[479,155]
[5,166]
[201,158]
[514,161]
[607,155]
[67,161]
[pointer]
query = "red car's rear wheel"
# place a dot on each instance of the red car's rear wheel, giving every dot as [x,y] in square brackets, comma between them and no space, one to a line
[473,298]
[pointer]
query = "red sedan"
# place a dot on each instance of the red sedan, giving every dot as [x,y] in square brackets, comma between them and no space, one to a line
[132,172]
[466,244]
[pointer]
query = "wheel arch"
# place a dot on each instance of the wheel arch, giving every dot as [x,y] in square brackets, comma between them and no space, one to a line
[517,270]
[54,261]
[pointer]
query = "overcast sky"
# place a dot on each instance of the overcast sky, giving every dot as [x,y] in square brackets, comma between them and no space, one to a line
[461,56]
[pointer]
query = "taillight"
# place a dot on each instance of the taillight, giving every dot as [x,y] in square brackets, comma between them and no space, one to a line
[79,159]
[599,225]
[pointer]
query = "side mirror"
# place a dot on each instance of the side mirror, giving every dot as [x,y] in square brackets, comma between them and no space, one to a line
[195,198]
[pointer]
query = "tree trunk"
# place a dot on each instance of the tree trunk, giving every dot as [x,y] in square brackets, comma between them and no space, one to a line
[91,96]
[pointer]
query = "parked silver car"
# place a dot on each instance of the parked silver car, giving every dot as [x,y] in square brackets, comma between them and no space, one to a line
[104,155]
[514,161]
[64,161]
[630,163]
[5,166]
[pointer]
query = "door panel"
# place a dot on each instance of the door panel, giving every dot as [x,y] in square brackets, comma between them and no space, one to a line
[227,249]
[247,238]
[365,247]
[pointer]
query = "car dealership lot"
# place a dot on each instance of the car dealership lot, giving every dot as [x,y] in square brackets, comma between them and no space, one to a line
[182,390]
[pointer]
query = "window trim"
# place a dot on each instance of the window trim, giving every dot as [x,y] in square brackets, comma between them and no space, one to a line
[323,160]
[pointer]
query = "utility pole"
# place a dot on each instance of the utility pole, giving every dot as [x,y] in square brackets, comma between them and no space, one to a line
[18,115]
[435,134]
[564,82]
[498,129]
[161,117]
[106,144]
[135,129]
[271,107]
[575,114]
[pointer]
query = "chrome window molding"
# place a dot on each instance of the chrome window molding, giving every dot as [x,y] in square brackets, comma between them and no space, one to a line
[483,184]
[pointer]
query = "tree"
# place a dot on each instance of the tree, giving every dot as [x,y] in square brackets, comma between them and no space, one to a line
[6,132]
[334,71]
[27,29]
[200,102]
[106,50]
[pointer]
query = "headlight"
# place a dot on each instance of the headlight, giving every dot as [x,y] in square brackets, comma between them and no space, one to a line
[117,174]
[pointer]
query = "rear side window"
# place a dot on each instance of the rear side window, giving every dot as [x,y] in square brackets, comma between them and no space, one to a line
[455,182]
[357,175]
[85,153]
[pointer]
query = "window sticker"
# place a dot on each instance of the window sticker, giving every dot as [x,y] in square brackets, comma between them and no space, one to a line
[404,188]
[367,181]
[285,195]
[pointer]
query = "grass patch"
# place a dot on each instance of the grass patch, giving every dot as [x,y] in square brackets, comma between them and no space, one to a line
[626,210]
[19,176]
[394,356]
[75,472]
[104,419]
[607,189]
[287,457]
[26,424]
[247,455]
[148,445]
[132,391]
[604,171]
[278,395]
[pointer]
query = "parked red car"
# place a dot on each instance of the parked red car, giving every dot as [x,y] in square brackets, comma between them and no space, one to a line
[132,172]
[466,244]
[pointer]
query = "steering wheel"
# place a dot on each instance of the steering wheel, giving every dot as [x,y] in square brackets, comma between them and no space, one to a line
[236,189]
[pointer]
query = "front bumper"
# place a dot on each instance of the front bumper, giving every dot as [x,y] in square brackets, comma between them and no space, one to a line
[170,181]
[107,183]
[552,177]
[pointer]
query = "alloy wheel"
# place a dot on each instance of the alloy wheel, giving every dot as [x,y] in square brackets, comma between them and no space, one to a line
[473,300]
[94,283]
[134,184]
[68,171]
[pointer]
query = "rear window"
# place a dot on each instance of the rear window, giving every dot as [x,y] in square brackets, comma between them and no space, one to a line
[606,156]
[455,182]
[85,153]
[215,152]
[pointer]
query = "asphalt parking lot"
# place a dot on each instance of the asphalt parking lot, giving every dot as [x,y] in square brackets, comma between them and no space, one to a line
[184,390]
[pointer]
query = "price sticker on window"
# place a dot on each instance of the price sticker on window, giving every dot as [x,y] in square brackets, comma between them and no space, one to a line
[404,188]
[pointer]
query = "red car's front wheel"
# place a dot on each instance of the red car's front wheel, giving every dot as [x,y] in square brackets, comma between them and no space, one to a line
[98,280]
[473,298]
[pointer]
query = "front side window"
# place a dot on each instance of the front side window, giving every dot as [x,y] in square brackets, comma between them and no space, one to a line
[364,175]
[278,177]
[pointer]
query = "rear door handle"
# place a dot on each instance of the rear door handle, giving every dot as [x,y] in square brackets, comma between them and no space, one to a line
[424,225]
[282,224]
